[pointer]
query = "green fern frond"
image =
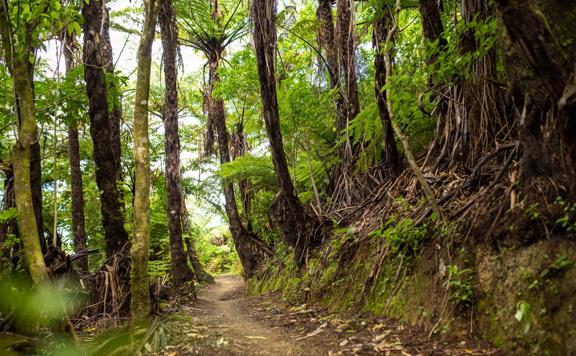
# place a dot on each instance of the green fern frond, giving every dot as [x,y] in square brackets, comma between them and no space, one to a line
[258,169]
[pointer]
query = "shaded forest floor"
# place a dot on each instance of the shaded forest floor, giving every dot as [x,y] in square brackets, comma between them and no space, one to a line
[224,321]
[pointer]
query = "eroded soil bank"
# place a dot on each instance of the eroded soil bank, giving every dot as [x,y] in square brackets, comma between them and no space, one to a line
[224,321]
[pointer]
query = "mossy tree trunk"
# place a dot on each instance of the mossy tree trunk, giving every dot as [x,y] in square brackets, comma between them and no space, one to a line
[180,270]
[140,289]
[17,55]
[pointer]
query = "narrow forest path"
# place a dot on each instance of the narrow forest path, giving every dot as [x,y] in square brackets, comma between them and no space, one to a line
[223,321]
[222,324]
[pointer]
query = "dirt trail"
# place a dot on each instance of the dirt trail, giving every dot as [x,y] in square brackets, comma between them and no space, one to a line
[222,325]
[223,321]
[245,334]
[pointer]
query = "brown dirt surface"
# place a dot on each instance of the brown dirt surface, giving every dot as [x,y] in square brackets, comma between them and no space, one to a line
[224,321]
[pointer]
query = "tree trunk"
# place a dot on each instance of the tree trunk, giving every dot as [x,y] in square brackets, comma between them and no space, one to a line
[296,226]
[21,69]
[541,64]
[346,46]
[326,39]
[140,289]
[251,250]
[348,103]
[432,27]
[180,270]
[199,271]
[101,129]
[240,148]
[22,169]
[71,49]
[115,115]
[392,157]
[8,202]
[36,184]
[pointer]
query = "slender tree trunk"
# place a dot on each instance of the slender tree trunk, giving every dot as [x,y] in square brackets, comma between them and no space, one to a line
[348,103]
[251,250]
[140,289]
[105,156]
[392,157]
[180,270]
[36,183]
[71,50]
[296,226]
[199,271]
[240,148]
[8,202]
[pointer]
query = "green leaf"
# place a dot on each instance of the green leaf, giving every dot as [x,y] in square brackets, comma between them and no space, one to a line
[523,311]
[6,215]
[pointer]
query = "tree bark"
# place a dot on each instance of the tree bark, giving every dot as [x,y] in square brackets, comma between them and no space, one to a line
[346,46]
[21,69]
[115,115]
[295,225]
[432,27]
[140,290]
[180,270]
[239,148]
[8,202]
[380,33]
[326,39]
[71,49]
[101,129]
[36,184]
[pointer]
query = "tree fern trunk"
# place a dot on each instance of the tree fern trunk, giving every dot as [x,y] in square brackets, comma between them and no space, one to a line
[169,32]
[295,225]
[101,129]
[78,221]
[392,156]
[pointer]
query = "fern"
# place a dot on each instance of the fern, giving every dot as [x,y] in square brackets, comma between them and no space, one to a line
[258,169]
